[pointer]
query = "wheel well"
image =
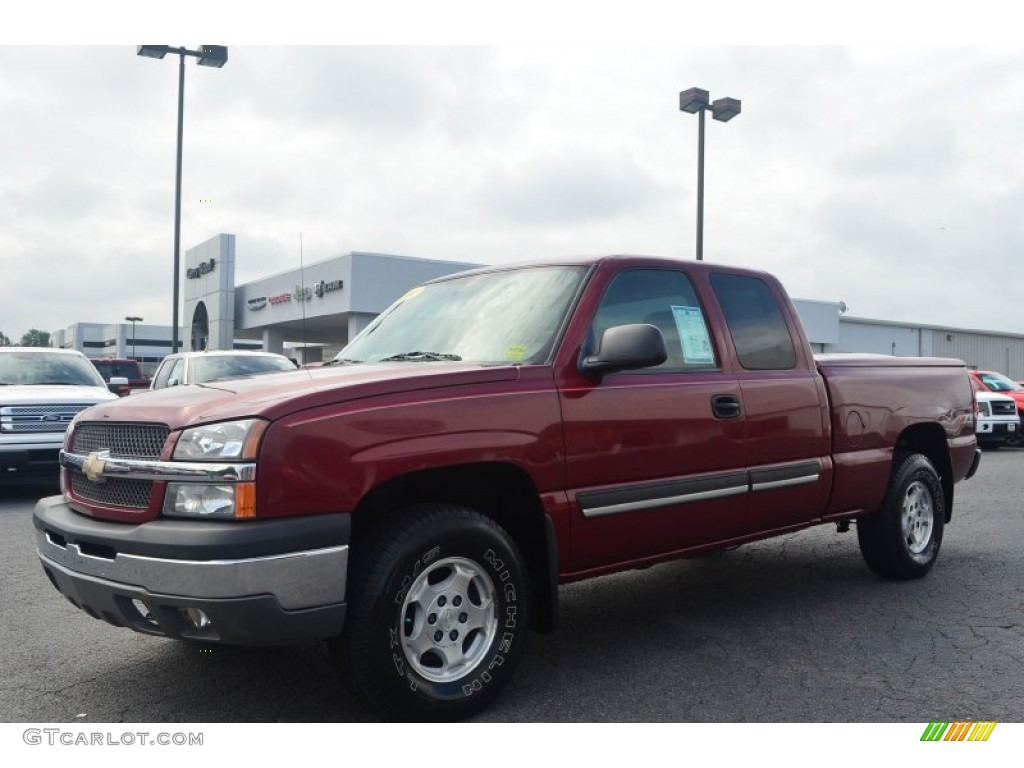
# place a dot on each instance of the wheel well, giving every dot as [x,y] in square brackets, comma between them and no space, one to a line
[504,493]
[930,440]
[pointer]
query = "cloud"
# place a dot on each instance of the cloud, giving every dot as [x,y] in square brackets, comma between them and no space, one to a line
[879,176]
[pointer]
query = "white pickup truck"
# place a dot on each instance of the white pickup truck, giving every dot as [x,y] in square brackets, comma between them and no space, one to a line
[998,419]
[41,390]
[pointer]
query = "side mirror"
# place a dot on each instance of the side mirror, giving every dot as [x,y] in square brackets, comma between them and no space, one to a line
[626,347]
[118,385]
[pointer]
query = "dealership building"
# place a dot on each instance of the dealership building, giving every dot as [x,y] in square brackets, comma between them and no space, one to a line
[305,313]
[310,312]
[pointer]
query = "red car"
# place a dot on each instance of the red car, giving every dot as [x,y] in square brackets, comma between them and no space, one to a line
[997,382]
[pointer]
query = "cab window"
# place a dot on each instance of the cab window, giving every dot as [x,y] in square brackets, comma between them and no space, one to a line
[756,323]
[667,300]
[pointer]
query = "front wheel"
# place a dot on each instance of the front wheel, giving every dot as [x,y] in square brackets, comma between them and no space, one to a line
[902,540]
[437,614]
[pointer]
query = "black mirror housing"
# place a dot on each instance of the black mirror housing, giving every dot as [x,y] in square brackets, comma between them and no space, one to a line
[625,347]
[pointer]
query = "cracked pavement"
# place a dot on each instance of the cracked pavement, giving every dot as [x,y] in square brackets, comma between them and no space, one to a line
[793,629]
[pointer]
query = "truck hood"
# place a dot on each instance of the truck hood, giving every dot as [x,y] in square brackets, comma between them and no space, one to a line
[53,394]
[274,395]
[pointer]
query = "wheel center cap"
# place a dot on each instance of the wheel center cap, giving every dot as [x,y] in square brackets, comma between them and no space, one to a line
[448,619]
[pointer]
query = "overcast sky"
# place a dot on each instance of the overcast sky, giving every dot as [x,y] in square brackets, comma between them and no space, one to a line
[889,178]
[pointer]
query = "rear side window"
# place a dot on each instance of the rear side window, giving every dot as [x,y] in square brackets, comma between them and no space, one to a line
[756,323]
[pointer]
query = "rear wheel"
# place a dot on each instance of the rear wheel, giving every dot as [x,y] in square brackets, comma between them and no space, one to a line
[437,614]
[902,540]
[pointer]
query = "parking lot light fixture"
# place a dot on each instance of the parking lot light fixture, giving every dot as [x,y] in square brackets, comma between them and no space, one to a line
[133,320]
[698,101]
[206,56]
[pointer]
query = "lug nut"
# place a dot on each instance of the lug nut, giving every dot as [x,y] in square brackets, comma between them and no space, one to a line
[441,601]
[454,635]
[432,618]
[463,618]
[438,636]
[457,601]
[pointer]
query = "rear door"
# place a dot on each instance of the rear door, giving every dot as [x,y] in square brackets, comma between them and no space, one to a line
[784,402]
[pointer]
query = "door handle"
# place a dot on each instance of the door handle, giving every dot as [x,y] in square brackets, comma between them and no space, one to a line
[726,407]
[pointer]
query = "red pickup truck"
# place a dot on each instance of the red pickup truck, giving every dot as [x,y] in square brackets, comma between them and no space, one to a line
[490,436]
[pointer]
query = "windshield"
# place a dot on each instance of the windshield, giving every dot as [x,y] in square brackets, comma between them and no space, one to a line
[495,317]
[47,368]
[999,383]
[226,366]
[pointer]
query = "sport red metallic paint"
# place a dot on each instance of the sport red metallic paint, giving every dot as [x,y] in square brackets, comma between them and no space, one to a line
[491,435]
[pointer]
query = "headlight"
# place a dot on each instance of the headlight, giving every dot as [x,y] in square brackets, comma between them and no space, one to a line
[220,502]
[983,408]
[229,441]
[217,442]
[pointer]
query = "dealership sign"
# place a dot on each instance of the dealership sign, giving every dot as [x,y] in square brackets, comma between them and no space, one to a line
[204,267]
[301,293]
[326,286]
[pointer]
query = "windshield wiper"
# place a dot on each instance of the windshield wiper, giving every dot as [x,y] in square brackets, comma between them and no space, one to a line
[342,361]
[420,356]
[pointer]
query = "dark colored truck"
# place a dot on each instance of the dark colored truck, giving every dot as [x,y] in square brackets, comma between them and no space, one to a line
[494,434]
[114,370]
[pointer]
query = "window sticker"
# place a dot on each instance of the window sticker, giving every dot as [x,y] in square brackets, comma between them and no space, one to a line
[693,335]
[516,352]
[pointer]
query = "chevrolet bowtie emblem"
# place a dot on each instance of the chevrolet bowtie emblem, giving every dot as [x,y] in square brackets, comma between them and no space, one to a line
[93,465]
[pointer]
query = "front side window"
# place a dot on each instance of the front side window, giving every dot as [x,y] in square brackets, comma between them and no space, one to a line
[177,374]
[756,323]
[666,299]
[505,317]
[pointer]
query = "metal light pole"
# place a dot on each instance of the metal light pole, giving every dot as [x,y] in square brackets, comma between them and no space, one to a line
[207,56]
[699,101]
[133,320]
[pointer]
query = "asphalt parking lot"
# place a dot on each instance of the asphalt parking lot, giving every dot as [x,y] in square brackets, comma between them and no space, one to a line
[794,629]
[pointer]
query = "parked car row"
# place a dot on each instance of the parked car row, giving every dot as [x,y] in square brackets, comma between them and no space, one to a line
[1000,409]
[42,389]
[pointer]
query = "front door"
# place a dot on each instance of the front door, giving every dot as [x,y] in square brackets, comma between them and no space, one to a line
[654,458]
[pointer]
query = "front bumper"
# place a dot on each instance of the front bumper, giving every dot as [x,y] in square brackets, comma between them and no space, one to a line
[30,460]
[241,583]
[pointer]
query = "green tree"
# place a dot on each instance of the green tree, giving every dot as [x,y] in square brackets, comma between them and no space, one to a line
[4,341]
[35,338]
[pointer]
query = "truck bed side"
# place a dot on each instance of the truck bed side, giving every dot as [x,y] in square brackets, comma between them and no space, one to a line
[879,405]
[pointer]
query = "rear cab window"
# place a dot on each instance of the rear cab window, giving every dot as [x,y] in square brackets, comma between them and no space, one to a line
[756,323]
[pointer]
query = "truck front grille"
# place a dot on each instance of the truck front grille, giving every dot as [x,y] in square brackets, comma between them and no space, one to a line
[127,441]
[130,441]
[112,492]
[33,419]
[1002,408]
